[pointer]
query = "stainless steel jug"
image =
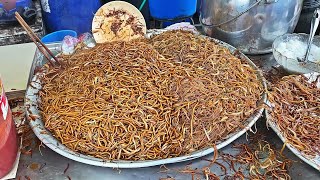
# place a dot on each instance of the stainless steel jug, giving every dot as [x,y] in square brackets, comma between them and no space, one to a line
[249,25]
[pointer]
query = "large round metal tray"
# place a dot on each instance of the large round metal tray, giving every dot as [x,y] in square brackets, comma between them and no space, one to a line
[312,161]
[31,104]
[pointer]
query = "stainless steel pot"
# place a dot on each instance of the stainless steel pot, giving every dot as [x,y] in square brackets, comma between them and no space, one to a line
[249,25]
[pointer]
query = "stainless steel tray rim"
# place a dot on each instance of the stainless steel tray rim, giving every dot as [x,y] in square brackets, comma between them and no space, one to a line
[46,137]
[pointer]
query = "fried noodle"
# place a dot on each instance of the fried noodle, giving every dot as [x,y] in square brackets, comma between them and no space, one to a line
[148,99]
[296,111]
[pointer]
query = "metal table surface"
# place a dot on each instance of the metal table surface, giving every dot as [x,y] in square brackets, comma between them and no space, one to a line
[54,165]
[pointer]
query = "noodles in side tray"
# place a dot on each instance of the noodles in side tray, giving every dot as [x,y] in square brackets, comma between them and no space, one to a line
[296,112]
[131,101]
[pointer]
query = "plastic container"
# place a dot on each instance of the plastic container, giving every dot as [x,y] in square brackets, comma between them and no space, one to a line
[168,23]
[76,15]
[291,64]
[22,6]
[172,9]
[8,136]
[58,36]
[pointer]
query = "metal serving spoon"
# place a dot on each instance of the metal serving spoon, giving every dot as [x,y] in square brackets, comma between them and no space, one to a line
[314,26]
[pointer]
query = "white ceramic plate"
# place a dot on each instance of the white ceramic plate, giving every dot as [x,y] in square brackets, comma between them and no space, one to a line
[46,137]
[314,162]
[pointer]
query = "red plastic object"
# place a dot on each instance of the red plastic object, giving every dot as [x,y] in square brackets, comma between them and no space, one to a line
[8,135]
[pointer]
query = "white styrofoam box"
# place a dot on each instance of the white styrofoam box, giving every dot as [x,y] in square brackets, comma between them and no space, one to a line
[15,63]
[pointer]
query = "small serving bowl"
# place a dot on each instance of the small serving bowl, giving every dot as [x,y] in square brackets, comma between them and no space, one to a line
[291,64]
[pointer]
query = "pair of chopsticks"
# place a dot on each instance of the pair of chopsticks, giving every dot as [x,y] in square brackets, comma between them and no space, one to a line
[42,47]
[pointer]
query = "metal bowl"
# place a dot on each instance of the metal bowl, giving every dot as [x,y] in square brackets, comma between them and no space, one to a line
[32,104]
[290,64]
[258,21]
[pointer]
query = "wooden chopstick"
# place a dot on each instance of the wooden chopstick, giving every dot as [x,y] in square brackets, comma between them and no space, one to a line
[36,37]
[39,47]
[42,47]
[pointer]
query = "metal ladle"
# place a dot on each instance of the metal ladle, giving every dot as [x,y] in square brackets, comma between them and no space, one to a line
[314,26]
